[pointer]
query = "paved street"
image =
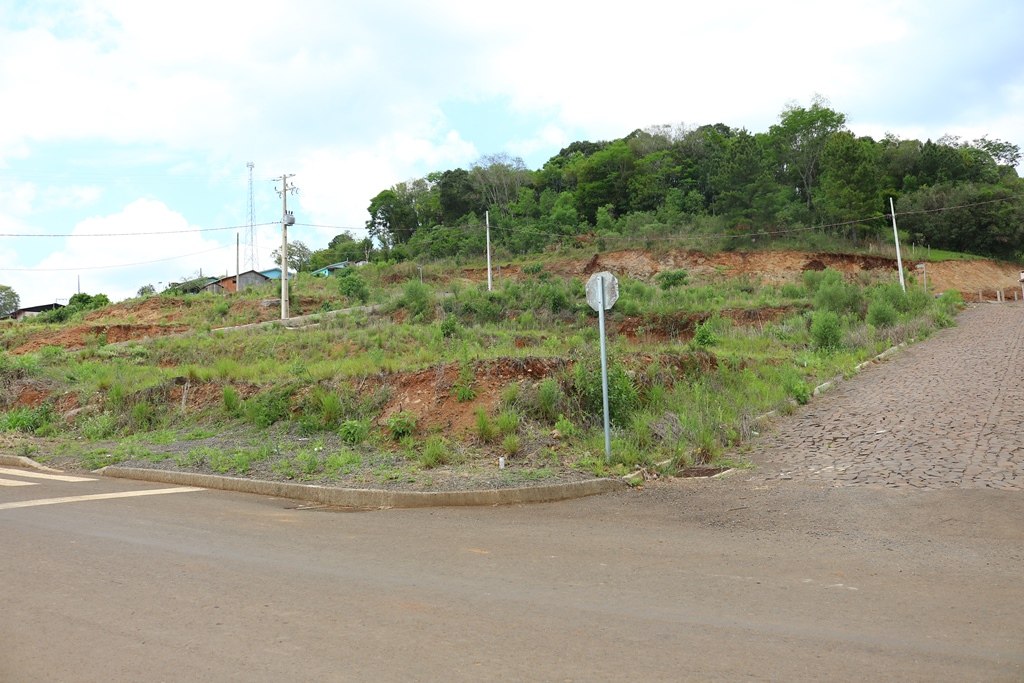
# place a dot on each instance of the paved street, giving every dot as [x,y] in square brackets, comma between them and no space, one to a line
[947,413]
[753,576]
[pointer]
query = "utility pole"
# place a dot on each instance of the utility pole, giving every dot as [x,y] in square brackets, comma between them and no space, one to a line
[896,235]
[487,222]
[287,218]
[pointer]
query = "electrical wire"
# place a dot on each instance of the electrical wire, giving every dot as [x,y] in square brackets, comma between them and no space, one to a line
[114,267]
[133,234]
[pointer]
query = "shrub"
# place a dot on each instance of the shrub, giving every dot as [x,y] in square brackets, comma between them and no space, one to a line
[418,299]
[826,331]
[449,326]
[402,424]
[354,431]
[881,313]
[352,286]
[623,396]
[268,407]
[672,278]
[836,295]
[704,336]
[565,427]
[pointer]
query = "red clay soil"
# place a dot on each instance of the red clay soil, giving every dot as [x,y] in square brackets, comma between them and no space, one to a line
[79,337]
[777,267]
[430,394]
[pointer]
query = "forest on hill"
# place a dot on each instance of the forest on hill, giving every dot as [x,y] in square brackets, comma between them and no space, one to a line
[806,175]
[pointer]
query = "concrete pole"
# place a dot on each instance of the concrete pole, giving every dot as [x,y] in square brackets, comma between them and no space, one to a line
[896,234]
[487,222]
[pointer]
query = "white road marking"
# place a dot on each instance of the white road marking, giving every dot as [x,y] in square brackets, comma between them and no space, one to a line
[96,496]
[12,482]
[31,474]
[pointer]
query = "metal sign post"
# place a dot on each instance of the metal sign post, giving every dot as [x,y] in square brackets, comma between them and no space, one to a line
[602,293]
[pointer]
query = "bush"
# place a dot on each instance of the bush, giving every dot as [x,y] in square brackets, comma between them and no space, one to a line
[704,336]
[881,313]
[449,326]
[418,299]
[826,331]
[672,278]
[401,425]
[623,397]
[354,431]
[352,286]
[836,295]
[269,407]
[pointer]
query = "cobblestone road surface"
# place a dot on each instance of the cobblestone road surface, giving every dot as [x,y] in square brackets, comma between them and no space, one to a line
[945,413]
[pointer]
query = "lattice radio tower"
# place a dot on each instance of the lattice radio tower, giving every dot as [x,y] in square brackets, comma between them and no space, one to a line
[251,257]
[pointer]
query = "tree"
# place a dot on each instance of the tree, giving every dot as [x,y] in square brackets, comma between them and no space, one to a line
[799,140]
[146,290]
[498,177]
[392,216]
[299,256]
[458,195]
[9,300]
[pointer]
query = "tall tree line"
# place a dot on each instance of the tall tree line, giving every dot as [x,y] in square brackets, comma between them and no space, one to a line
[807,170]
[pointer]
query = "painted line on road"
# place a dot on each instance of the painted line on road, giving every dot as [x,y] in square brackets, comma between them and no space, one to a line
[12,482]
[96,496]
[39,475]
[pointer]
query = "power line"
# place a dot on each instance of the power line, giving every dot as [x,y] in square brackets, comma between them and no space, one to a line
[114,267]
[127,234]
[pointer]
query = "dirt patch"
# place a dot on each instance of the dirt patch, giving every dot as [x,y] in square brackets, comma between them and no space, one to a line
[430,394]
[776,267]
[79,337]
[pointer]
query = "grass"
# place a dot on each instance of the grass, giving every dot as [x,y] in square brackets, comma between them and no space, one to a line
[670,398]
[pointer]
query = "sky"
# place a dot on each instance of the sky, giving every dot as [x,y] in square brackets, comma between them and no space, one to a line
[123,117]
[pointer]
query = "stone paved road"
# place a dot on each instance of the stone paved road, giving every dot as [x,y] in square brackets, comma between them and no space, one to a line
[944,413]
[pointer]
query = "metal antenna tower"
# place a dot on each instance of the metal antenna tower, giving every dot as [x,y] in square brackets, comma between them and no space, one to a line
[251,257]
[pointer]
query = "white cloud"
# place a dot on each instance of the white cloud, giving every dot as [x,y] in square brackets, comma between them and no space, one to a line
[351,97]
[118,266]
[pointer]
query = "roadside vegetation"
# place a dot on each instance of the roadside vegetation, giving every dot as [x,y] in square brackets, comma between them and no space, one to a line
[437,375]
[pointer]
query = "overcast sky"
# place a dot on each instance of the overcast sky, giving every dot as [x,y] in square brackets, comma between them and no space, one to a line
[127,116]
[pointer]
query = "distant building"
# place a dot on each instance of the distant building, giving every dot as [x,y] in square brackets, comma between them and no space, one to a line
[32,311]
[191,286]
[275,273]
[327,270]
[249,278]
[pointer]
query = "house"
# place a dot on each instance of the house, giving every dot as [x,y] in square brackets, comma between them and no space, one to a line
[275,273]
[327,270]
[32,311]
[249,278]
[191,286]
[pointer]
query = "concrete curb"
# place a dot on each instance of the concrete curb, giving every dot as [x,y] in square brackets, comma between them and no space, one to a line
[371,498]
[21,461]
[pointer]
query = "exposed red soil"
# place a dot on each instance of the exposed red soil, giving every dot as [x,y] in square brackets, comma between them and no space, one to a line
[80,336]
[430,394]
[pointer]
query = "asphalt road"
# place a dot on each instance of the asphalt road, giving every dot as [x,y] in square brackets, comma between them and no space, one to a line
[730,579]
[897,558]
